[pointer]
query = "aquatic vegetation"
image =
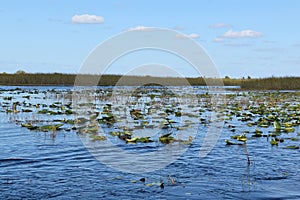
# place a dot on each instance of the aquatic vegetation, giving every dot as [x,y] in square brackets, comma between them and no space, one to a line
[281,110]
[98,138]
[291,147]
[289,129]
[166,139]
[277,125]
[29,126]
[165,117]
[274,142]
[141,140]
[47,128]
[232,143]
[242,138]
[294,139]
[257,134]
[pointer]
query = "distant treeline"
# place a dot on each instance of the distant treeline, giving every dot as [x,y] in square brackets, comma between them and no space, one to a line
[274,83]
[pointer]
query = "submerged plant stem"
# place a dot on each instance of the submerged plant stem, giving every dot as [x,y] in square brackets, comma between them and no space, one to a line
[247,153]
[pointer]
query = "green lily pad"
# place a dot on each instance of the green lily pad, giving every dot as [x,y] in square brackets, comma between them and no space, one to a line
[287,124]
[274,142]
[97,137]
[232,143]
[258,131]
[166,139]
[47,128]
[29,126]
[291,147]
[289,129]
[234,137]
[242,138]
[144,140]
[229,142]
[277,125]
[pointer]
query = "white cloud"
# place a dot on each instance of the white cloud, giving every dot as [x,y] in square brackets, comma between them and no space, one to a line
[87,19]
[242,34]
[139,28]
[219,39]
[192,35]
[221,25]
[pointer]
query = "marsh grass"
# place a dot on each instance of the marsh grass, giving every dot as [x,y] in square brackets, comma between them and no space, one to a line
[273,83]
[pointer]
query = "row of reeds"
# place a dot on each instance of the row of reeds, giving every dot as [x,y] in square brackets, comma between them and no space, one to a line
[273,83]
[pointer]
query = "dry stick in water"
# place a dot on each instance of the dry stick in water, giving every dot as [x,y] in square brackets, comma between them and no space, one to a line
[247,153]
[172,179]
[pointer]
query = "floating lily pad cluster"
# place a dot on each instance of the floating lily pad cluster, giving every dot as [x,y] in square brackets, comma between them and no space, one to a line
[145,116]
[163,115]
[156,111]
[39,110]
[272,115]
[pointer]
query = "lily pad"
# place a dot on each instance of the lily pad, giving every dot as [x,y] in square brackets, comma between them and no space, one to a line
[274,142]
[291,147]
[97,137]
[276,125]
[289,129]
[166,139]
[29,126]
[47,128]
[232,143]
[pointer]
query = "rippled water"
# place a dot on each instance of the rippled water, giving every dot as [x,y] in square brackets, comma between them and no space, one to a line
[33,165]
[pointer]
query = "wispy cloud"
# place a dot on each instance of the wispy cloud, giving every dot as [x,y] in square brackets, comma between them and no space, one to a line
[192,35]
[139,28]
[237,34]
[237,45]
[269,49]
[220,25]
[241,34]
[87,19]
[218,39]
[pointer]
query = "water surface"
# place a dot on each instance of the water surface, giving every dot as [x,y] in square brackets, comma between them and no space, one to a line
[36,165]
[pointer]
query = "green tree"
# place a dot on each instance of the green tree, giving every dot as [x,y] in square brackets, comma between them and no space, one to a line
[20,72]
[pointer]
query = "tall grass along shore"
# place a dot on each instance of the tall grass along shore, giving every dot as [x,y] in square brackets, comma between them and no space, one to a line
[42,79]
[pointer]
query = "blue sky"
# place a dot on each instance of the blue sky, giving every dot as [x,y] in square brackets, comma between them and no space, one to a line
[259,38]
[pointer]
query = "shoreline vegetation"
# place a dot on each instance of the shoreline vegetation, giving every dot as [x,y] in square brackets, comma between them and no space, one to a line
[21,78]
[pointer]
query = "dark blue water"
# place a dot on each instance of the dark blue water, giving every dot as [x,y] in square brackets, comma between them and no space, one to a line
[34,165]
